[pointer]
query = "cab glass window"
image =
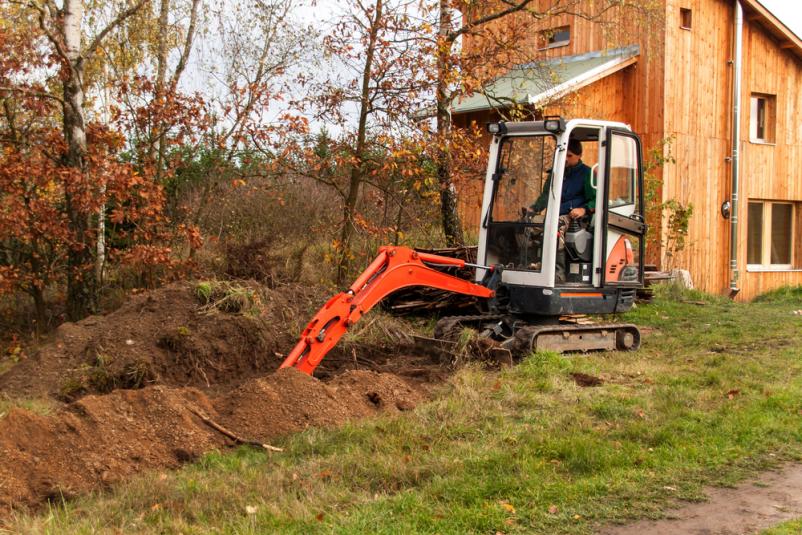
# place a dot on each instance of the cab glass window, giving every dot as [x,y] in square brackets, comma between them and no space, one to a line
[524,167]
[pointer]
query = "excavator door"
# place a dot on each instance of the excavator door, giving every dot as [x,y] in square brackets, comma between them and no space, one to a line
[624,237]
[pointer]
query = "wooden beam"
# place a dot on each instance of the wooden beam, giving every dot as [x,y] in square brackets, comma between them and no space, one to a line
[786,45]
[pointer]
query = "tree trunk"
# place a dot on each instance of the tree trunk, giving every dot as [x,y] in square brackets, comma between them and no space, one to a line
[452,226]
[40,308]
[81,284]
[161,75]
[358,169]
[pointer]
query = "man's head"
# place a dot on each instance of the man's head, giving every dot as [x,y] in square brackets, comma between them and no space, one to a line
[574,153]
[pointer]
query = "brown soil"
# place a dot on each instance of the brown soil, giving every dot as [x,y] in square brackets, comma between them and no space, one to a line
[161,337]
[100,440]
[135,386]
[748,509]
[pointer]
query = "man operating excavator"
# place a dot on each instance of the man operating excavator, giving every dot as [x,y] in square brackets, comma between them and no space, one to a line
[578,198]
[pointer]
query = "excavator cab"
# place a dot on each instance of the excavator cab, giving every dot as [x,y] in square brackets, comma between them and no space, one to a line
[549,263]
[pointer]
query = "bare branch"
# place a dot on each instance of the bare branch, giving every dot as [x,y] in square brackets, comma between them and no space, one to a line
[514,7]
[92,48]
[182,62]
[44,17]
[31,92]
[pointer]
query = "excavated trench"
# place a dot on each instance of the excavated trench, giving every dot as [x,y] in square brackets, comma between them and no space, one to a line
[166,378]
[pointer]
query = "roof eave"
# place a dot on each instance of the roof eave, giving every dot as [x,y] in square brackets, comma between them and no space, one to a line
[788,39]
[593,75]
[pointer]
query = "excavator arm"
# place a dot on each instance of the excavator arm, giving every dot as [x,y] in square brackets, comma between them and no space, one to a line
[393,269]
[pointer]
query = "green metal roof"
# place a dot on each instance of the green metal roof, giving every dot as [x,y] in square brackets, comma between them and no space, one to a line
[540,82]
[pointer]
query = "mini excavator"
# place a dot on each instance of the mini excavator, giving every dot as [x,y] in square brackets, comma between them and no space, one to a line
[531,268]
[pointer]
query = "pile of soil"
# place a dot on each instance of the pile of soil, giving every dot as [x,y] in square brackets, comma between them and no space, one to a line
[99,440]
[177,372]
[164,336]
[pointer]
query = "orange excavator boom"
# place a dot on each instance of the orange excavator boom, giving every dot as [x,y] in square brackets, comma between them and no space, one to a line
[393,269]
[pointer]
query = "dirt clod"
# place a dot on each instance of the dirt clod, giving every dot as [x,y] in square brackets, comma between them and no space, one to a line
[585,380]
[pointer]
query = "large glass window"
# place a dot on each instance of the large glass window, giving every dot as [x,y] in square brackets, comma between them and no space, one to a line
[520,201]
[781,232]
[770,235]
[754,241]
[524,171]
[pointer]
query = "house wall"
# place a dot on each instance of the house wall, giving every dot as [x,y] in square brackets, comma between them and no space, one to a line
[698,107]
[773,171]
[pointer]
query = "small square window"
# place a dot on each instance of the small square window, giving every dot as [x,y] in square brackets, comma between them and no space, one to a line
[554,37]
[761,118]
[686,18]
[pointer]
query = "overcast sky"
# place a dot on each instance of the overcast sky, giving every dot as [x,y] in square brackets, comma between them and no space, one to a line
[788,11]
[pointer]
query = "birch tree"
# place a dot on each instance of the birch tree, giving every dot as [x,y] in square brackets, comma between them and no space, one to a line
[63,28]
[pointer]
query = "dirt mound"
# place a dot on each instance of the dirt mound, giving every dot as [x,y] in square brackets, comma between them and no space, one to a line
[166,336]
[99,440]
[286,402]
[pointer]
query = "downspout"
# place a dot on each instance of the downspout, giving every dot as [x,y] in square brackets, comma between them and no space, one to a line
[736,140]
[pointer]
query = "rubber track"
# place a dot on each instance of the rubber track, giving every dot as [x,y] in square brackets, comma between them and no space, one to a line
[524,341]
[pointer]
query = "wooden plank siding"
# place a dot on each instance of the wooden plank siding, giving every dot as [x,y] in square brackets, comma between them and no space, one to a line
[681,88]
[771,172]
[697,105]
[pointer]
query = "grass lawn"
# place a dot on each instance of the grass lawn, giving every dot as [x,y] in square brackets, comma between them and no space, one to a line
[792,527]
[714,394]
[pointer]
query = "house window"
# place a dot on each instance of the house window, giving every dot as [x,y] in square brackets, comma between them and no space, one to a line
[686,18]
[555,37]
[771,227]
[761,119]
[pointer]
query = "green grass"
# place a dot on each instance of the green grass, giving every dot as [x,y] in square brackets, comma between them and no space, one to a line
[792,527]
[714,394]
[39,406]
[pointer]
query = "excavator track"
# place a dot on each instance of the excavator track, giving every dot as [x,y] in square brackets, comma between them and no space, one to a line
[564,338]
[528,338]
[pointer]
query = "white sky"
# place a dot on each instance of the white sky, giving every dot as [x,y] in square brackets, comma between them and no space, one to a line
[788,11]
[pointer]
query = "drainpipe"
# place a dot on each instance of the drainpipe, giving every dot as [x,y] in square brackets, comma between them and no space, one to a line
[736,140]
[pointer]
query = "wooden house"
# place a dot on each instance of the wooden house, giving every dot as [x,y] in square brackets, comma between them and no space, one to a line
[716,87]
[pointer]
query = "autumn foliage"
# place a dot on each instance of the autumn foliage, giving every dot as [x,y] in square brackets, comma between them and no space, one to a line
[297,146]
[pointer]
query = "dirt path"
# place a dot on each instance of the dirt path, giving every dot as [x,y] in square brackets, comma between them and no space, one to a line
[747,509]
